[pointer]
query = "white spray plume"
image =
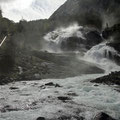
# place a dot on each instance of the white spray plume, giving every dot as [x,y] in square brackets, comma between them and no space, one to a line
[60,34]
[99,54]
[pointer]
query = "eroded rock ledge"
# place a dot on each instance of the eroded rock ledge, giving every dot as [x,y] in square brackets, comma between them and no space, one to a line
[111,79]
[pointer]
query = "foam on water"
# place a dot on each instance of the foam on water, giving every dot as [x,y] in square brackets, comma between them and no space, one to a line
[89,98]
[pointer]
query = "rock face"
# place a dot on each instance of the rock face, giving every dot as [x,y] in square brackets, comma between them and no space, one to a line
[72,44]
[116,46]
[111,79]
[115,57]
[113,31]
[103,116]
[87,12]
[91,38]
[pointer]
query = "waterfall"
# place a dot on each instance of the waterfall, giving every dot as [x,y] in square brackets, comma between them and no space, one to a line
[100,54]
[53,39]
[103,56]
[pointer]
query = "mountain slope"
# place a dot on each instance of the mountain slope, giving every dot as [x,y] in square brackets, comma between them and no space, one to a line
[89,12]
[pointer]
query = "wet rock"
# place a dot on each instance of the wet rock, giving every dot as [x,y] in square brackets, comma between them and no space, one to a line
[70,118]
[13,88]
[113,31]
[116,57]
[72,94]
[111,79]
[73,43]
[41,118]
[42,87]
[96,85]
[63,98]
[8,108]
[93,38]
[52,84]
[57,85]
[116,46]
[103,116]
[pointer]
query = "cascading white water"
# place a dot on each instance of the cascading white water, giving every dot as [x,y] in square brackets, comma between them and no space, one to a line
[54,38]
[100,54]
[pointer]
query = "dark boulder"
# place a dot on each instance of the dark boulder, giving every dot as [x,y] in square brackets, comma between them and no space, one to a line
[114,57]
[113,31]
[63,98]
[70,118]
[41,118]
[93,38]
[52,84]
[49,84]
[77,43]
[13,88]
[72,44]
[103,116]
[107,33]
[116,46]
[111,79]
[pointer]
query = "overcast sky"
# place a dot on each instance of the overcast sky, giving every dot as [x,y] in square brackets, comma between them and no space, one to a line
[29,9]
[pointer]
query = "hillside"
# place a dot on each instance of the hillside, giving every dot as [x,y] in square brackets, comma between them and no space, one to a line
[89,12]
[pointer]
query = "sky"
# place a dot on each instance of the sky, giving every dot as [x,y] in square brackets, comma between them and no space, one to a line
[29,9]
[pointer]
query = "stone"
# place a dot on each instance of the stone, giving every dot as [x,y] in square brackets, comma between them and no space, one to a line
[13,88]
[103,116]
[41,118]
[70,118]
[73,43]
[63,98]
[96,85]
[111,79]
[50,84]
[57,85]
[72,94]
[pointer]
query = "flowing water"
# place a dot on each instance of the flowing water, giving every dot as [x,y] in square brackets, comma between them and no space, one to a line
[53,39]
[100,55]
[34,99]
